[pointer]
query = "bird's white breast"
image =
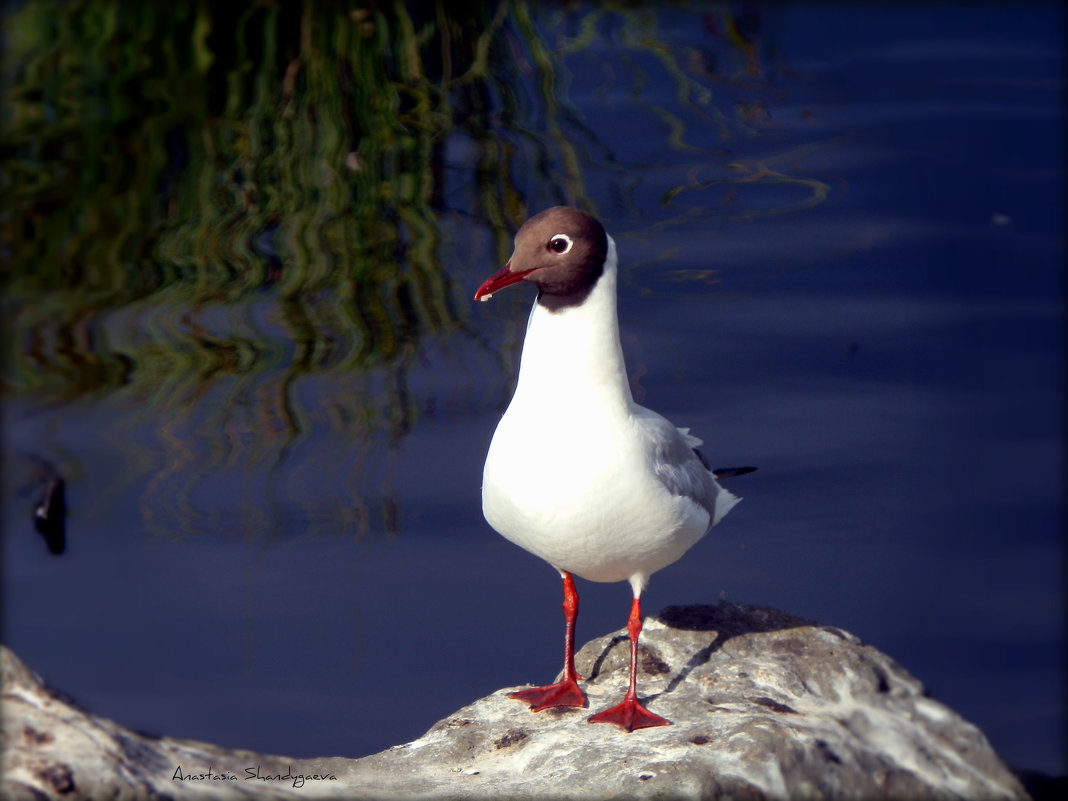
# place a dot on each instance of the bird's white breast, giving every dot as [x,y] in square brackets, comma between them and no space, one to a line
[585,500]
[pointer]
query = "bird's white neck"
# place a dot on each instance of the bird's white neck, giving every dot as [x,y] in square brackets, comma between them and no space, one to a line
[572,355]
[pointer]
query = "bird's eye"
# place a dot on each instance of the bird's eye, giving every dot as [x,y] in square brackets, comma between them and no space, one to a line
[560,244]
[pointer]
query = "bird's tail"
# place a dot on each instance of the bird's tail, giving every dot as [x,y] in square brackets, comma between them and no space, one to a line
[725,501]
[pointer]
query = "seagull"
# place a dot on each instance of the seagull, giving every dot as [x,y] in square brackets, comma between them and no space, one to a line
[578,473]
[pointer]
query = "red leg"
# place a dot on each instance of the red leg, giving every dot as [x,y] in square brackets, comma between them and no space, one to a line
[565,692]
[631,715]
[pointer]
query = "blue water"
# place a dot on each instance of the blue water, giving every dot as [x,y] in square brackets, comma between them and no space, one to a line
[881,332]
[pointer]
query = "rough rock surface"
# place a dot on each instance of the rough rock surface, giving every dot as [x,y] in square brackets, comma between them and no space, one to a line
[765,705]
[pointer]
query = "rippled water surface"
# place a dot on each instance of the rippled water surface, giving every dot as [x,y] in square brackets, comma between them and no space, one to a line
[238,325]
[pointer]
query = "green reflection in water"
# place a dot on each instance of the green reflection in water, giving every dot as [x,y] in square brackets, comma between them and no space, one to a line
[162,162]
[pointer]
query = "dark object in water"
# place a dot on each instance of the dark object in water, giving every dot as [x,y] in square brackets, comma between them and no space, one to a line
[50,516]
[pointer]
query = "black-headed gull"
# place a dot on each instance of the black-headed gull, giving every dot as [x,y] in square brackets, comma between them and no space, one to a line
[577,472]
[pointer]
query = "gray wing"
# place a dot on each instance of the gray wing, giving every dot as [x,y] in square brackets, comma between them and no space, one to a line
[680,468]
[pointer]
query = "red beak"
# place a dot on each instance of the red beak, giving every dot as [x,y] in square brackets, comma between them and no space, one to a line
[499,280]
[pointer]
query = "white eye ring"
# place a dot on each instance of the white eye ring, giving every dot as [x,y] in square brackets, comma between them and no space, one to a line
[556,239]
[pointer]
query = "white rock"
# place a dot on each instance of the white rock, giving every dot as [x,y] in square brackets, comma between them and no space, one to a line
[764,705]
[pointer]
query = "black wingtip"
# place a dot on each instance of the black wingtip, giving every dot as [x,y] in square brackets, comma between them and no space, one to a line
[731,472]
